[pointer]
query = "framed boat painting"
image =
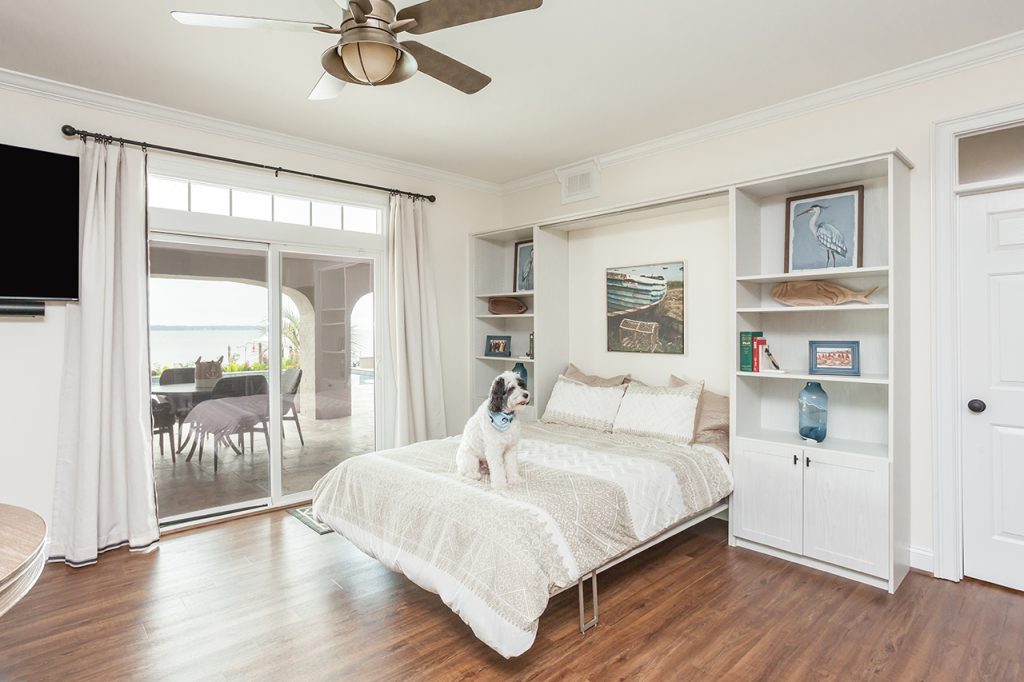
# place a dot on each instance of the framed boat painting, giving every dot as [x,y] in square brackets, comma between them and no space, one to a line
[825,230]
[646,308]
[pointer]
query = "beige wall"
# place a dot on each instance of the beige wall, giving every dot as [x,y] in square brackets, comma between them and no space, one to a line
[898,118]
[32,350]
[699,237]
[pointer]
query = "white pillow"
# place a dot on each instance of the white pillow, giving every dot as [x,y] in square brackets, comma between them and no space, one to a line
[668,413]
[577,404]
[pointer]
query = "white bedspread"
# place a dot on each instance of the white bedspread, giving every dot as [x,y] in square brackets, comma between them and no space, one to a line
[495,557]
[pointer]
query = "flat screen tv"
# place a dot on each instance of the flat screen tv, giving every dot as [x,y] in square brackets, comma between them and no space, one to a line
[39,225]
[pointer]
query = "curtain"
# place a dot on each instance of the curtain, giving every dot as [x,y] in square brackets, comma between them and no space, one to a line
[104,495]
[415,339]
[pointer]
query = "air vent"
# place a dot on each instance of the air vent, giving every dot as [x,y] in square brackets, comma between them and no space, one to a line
[579,182]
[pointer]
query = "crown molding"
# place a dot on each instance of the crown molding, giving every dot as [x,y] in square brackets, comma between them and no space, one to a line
[935,67]
[103,101]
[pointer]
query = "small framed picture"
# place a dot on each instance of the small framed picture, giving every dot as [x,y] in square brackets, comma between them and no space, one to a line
[498,347]
[834,357]
[825,230]
[524,266]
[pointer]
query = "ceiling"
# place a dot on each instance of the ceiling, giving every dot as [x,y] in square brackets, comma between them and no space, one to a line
[572,80]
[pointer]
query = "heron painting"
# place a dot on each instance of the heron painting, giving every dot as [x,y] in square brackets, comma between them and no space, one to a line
[825,230]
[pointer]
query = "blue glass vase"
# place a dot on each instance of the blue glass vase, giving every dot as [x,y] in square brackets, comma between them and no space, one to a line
[813,412]
[520,369]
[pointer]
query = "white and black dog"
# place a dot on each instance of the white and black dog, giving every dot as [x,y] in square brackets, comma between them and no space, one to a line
[492,433]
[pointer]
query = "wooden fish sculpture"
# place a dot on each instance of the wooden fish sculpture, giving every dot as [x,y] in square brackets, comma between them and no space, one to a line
[818,292]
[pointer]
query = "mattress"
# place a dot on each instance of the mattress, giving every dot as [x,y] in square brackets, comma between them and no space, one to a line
[495,557]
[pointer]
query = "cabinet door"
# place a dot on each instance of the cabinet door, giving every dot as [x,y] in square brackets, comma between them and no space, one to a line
[846,511]
[768,496]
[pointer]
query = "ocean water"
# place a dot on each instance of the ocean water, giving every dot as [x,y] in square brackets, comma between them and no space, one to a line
[169,346]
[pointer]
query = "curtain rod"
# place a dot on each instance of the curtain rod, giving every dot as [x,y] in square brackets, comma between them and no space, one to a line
[71,131]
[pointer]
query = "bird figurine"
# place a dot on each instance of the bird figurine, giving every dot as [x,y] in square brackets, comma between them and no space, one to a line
[827,234]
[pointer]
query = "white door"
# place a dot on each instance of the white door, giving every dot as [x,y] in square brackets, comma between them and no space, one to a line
[768,496]
[846,511]
[991,248]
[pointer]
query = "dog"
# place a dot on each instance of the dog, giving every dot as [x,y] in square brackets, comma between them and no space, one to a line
[491,435]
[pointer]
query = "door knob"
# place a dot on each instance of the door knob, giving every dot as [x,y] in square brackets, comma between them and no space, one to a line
[976,405]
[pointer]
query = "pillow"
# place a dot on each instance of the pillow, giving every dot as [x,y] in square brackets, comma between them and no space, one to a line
[713,411]
[574,373]
[665,412]
[577,404]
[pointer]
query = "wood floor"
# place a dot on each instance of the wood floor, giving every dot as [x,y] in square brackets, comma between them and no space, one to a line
[265,598]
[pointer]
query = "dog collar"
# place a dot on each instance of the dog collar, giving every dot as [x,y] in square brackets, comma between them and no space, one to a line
[501,420]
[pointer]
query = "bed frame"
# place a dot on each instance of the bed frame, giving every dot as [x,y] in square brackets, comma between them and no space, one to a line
[664,535]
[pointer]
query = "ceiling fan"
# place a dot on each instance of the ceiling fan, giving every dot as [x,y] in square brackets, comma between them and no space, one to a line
[368,51]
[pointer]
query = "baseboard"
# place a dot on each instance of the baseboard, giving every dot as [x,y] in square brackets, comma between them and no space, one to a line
[922,559]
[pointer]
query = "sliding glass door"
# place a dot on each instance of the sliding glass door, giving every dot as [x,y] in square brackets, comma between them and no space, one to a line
[263,370]
[209,356]
[328,364]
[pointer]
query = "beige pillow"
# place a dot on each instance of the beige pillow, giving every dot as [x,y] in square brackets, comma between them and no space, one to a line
[576,374]
[712,414]
[663,412]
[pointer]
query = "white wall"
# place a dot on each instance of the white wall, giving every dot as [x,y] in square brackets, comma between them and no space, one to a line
[31,350]
[897,118]
[699,237]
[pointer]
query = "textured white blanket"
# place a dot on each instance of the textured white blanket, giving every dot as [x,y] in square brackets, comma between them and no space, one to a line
[495,557]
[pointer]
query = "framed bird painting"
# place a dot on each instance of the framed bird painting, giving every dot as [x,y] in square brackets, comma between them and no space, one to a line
[825,230]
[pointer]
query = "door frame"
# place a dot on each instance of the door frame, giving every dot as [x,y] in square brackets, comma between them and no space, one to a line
[947,394]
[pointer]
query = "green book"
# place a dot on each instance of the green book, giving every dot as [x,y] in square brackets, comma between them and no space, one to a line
[747,350]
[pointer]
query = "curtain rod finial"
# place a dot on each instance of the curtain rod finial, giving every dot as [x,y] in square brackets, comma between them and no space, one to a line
[431,198]
[68,130]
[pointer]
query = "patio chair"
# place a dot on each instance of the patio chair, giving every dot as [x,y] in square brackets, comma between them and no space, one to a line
[182,403]
[290,380]
[240,387]
[163,422]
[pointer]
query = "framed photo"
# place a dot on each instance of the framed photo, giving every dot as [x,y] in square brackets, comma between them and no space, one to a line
[498,346]
[524,266]
[645,306]
[834,357]
[825,230]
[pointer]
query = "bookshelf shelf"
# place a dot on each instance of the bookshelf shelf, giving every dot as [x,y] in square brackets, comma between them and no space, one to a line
[847,508]
[521,316]
[879,379]
[508,294]
[858,273]
[489,358]
[846,307]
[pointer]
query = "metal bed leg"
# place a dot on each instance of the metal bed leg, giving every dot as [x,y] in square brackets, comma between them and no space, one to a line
[587,624]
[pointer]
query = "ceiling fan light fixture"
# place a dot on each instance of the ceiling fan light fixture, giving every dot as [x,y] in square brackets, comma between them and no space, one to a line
[371,63]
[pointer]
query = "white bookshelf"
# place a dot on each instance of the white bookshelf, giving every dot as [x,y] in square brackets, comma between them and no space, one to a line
[842,505]
[493,255]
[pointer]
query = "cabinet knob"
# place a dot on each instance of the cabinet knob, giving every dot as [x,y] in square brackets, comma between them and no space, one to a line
[976,406]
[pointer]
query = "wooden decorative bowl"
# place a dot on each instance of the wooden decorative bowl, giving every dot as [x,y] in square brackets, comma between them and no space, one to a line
[505,305]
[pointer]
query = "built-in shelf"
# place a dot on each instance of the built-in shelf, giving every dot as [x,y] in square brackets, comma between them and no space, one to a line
[489,316]
[858,273]
[846,445]
[814,308]
[511,294]
[880,379]
[500,359]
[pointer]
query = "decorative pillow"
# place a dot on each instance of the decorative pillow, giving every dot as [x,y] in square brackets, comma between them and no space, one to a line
[713,411]
[577,404]
[665,412]
[574,373]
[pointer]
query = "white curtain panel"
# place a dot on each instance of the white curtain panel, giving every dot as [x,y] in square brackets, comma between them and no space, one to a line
[104,496]
[415,339]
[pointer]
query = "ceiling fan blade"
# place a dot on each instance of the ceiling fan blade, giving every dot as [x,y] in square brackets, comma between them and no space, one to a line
[328,87]
[433,15]
[229,21]
[447,70]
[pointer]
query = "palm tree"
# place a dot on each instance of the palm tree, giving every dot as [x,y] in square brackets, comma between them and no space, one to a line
[290,327]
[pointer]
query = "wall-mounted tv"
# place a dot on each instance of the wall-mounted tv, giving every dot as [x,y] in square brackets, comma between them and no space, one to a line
[38,225]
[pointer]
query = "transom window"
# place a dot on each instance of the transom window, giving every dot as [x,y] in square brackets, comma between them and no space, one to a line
[199,197]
